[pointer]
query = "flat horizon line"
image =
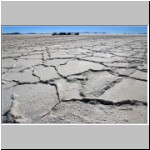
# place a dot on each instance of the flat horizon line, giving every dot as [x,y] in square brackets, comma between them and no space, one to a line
[74,32]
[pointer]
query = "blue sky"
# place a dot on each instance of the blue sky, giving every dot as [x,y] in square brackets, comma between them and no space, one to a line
[50,29]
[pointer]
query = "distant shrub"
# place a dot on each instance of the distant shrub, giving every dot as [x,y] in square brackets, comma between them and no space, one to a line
[59,33]
[77,33]
[64,33]
[54,33]
[69,33]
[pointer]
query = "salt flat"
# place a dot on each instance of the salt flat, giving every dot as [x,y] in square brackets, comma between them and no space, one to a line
[77,79]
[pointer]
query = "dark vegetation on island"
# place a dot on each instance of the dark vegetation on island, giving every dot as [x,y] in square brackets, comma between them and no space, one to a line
[64,33]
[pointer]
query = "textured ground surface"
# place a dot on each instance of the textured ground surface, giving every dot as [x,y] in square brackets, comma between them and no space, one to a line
[74,79]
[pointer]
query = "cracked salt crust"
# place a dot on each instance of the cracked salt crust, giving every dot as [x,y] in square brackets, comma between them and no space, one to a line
[127,89]
[74,79]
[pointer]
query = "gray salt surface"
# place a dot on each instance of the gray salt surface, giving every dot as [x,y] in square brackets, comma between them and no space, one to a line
[85,79]
[77,67]
[127,89]
[46,73]
[79,113]
[33,101]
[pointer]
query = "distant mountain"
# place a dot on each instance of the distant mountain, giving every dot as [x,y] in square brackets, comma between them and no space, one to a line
[11,33]
[143,33]
[31,33]
[94,32]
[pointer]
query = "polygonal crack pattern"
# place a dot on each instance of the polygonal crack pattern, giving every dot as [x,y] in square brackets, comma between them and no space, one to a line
[74,79]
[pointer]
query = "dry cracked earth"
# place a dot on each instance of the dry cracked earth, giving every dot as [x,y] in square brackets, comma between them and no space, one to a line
[85,79]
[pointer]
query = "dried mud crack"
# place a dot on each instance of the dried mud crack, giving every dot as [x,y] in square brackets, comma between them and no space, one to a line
[74,79]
